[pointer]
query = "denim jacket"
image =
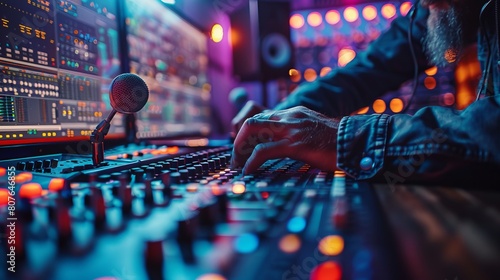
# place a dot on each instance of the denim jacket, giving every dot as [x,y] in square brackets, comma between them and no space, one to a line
[436,144]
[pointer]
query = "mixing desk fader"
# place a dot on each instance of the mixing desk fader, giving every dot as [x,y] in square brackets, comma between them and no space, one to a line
[191,216]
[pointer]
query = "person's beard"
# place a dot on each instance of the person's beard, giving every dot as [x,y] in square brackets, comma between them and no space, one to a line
[451,30]
[444,39]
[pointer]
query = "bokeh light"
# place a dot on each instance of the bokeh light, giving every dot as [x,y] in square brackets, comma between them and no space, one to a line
[363,110]
[314,19]
[290,243]
[379,106]
[430,83]
[331,245]
[405,8]
[329,270]
[297,21]
[310,75]
[217,33]
[467,76]
[369,12]
[396,105]
[211,276]
[216,189]
[324,71]
[388,11]
[345,56]
[448,99]
[294,75]
[238,188]
[296,224]
[246,243]
[351,14]
[332,17]
[431,71]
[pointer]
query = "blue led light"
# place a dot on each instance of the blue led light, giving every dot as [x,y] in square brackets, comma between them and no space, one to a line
[296,224]
[246,243]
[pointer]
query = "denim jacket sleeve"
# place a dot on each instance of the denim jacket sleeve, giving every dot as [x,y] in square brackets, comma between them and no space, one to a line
[436,142]
[382,67]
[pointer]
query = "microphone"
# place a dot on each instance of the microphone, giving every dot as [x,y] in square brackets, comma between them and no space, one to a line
[128,94]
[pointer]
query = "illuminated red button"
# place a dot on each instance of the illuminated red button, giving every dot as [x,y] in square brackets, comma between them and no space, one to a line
[30,190]
[329,270]
[56,184]
[4,197]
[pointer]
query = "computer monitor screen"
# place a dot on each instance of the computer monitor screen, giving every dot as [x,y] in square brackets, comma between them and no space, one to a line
[57,59]
[170,54]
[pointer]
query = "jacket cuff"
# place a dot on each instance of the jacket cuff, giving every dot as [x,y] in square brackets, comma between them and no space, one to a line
[361,143]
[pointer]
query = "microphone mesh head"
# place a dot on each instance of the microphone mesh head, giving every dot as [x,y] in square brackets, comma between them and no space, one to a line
[128,93]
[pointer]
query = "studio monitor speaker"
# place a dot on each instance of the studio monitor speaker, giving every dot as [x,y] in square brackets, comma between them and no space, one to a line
[260,35]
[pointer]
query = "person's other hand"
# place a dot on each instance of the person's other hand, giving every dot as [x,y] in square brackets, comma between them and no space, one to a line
[250,109]
[298,133]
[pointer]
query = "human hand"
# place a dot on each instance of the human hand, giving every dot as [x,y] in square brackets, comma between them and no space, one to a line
[250,109]
[298,133]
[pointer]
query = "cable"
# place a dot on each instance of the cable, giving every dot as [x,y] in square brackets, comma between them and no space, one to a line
[412,15]
[483,84]
[497,17]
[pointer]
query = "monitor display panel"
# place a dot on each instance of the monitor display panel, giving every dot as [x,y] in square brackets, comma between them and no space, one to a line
[57,59]
[170,54]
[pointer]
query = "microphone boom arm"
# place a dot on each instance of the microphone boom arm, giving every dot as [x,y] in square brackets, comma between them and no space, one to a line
[97,139]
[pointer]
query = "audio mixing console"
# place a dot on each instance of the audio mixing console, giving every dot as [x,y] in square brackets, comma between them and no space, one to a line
[169,213]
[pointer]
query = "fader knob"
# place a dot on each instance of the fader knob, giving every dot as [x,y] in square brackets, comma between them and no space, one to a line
[125,194]
[175,177]
[211,165]
[186,231]
[62,220]
[184,174]
[188,159]
[38,164]
[138,174]
[54,162]
[27,193]
[104,178]
[165,179]
[204,168]
[148,191]
[191,172]
[217,162]
[150,171]
[98,207]
[30,165]
[21,166]
[174,164]
[222,160]
[153,259]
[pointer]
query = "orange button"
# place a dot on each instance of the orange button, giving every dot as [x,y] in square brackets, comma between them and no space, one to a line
[23,177]
[4,197]
[56,184]
[30,190]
